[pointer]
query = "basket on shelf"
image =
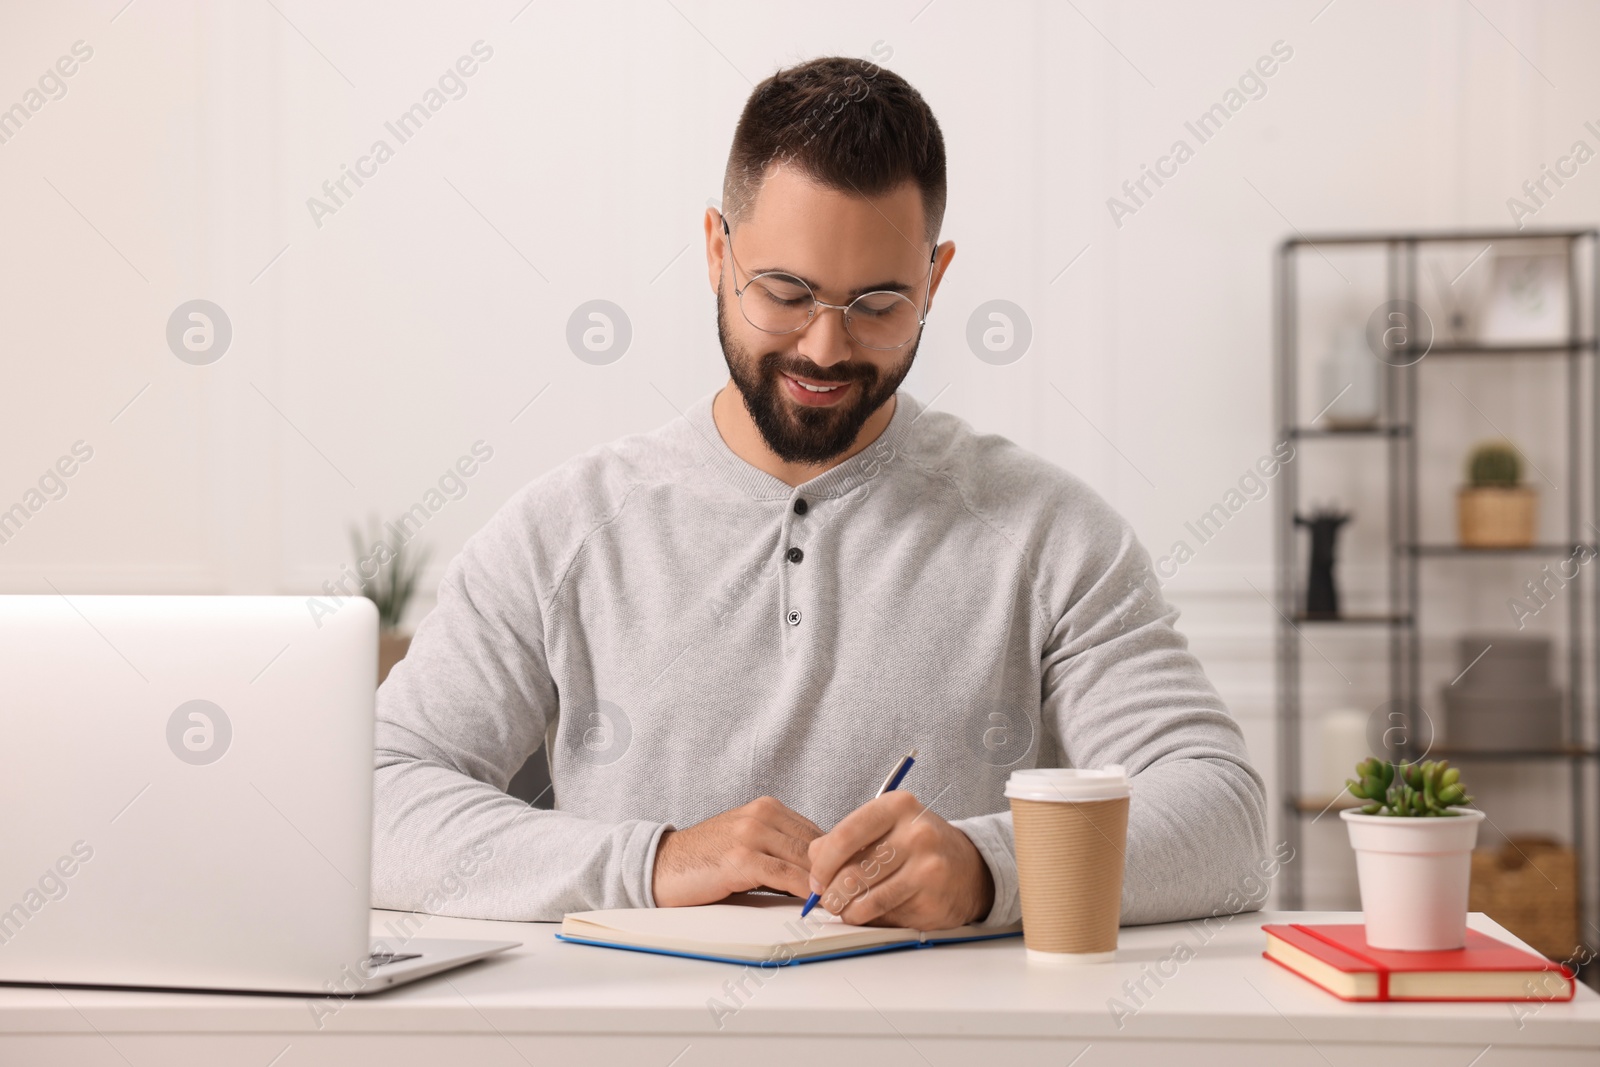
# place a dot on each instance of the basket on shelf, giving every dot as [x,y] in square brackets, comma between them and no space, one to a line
[1497,518]
[1494,510]
[1529,885]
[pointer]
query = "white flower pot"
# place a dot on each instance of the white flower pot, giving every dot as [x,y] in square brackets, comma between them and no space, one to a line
[1414,875]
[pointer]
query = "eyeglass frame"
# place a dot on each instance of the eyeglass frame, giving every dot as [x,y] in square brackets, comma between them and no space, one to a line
[816,302]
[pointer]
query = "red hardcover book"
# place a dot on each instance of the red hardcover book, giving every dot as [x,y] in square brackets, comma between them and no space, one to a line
[1338,958]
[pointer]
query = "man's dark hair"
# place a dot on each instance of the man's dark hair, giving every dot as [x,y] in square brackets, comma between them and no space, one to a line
[846,123]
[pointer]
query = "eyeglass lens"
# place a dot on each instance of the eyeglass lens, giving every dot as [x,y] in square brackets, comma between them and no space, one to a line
[781,303]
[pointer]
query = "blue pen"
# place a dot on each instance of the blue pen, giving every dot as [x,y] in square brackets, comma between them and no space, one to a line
[890,784]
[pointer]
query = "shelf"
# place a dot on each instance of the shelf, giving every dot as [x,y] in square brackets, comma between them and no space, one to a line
[1403,625]
[1513,755]
[1307,432]
[1443,237]
[1355,620]
[1538,348]
[1317,805]
[1521,550]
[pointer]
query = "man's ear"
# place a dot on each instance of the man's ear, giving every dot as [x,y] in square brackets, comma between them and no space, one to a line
[716,246]
[942,255]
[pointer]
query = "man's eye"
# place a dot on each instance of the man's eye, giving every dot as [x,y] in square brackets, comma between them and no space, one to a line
[878,306]
[785,295]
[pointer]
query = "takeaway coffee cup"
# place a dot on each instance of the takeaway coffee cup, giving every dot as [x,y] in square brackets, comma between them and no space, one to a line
[1071,829]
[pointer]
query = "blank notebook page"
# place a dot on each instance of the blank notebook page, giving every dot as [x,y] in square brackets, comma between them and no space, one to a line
[755,926]
[742,929]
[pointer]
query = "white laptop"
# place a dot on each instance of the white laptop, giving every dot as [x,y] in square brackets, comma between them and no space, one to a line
[186,795]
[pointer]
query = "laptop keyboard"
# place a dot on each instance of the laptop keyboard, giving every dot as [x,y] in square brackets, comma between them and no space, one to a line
[383,959]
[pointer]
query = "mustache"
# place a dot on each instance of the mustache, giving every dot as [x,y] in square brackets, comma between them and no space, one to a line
[844,372]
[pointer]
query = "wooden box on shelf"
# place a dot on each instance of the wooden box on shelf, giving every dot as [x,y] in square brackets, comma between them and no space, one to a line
[1529,885]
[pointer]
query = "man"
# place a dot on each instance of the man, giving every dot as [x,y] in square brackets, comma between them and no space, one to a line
[725,632]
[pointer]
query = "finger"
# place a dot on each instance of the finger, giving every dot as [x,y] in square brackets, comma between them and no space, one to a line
[776,843]
[812,830]
[758,870]
[862,827]
[780,816]
[881,903]
[865,870]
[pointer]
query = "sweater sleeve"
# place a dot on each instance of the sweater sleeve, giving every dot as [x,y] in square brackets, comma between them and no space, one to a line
[1120,687]
[456,719]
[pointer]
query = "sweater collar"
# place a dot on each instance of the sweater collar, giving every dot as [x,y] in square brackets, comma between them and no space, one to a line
[875,459]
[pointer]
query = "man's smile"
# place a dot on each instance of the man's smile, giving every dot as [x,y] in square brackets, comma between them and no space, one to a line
[814,393]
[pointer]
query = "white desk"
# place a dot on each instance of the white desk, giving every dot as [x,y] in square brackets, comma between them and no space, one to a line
[556,1003]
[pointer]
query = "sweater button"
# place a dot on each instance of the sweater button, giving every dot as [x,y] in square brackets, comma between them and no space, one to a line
[793,617]
[800,507]
[795,555]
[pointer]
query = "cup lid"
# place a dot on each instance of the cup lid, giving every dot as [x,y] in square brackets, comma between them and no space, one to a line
[1068,783]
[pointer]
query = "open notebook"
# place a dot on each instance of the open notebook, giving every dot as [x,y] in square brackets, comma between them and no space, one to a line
[753,928]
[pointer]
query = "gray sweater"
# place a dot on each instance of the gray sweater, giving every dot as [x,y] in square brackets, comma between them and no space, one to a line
[682,633]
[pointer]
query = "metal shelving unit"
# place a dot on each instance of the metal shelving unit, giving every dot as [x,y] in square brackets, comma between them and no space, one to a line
[1410,563]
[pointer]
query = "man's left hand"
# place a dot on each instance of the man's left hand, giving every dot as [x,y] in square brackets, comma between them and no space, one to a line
[893,862]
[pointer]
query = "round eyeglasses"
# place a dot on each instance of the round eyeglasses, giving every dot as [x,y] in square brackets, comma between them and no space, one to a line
[776,302]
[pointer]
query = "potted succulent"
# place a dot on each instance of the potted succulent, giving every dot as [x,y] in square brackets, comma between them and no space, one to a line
[394,580]
[1413,841]
[1494,510]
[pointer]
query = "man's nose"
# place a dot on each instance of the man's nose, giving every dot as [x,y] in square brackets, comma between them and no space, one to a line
[824,340]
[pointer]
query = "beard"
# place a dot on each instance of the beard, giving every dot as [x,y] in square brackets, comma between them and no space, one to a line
[796,433]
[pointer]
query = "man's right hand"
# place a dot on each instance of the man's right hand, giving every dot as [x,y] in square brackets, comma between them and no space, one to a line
[759,845]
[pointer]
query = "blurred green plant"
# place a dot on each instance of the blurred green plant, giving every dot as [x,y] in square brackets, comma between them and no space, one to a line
[1407,790]
[1494,465]
[395,579]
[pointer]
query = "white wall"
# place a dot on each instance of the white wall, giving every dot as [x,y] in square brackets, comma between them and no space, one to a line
[371,351]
